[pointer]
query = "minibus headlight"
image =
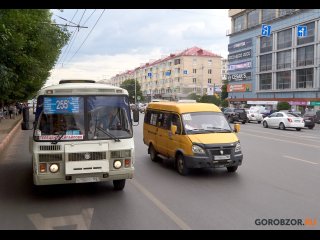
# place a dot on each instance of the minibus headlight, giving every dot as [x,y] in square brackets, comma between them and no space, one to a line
[54,168]
[117,164]
[197,149]
[238,147]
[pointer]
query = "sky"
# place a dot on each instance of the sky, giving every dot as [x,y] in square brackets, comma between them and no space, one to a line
[113,41]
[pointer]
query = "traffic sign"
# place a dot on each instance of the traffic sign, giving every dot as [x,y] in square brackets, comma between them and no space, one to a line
[266,30]
[302,31]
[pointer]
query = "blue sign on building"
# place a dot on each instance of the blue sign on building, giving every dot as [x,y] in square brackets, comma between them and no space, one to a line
[302,31]
[168,73]
[266,30]
[185,71]
[149,74]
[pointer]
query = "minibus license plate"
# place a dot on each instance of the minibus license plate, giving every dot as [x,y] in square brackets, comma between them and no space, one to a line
[222,157]
[87,180]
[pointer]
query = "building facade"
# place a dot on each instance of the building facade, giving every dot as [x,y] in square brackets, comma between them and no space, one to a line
[274,56]
[174,77]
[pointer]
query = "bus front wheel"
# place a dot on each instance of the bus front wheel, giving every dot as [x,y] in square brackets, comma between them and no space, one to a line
[119,184]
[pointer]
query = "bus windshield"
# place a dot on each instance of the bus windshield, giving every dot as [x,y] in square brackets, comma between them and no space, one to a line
[83,118]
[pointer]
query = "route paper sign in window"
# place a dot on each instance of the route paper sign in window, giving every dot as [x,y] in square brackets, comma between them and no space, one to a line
[56,105]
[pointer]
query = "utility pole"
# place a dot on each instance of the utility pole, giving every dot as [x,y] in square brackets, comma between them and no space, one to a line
[135,91]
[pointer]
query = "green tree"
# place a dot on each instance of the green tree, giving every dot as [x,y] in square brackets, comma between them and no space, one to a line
[194,96]
[283,106]
[224,93]
[29,47]
[129,86]
[210,99]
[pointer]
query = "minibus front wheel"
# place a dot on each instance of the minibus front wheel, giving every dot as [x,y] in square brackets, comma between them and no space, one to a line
[153,153]
[181,165]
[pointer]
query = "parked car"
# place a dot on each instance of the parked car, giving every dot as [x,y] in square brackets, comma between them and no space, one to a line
[268,112]
[310,119]
[315,115]
[254,115]
[236,115]
[283,120]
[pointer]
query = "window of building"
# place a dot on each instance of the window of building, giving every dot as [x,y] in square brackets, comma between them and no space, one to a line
[284,39]
[284,80]
[310,34]
[239,23]
[209,71]
[283,12]
[194,80]
[194,61]
[305,78]
[268,14]
[305,56]
[253,18]
[266,62]
[194,70]
[210,62]
[177,61]
[177,70]
[266,44]
[284,59]
[265,81]
[209,80]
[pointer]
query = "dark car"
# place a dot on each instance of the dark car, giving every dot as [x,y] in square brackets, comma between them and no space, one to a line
[310,118]
[267,113]
[236,115]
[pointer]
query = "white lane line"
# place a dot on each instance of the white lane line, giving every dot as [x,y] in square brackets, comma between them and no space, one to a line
[161,206]
[281,140]
[298,159]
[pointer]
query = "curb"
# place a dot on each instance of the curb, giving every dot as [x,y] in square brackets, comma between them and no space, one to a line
[9,136]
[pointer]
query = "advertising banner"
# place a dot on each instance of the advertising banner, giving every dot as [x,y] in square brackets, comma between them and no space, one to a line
[239,87]
[239,76]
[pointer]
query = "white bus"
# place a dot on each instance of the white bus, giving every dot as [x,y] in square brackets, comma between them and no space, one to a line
[82,133]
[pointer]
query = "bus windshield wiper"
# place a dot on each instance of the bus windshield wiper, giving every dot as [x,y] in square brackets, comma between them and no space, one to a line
[108,133]
[59,136]
[219,129]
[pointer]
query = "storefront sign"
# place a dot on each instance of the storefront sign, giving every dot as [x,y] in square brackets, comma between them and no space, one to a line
[263,102]
[298,103]
[247,87]
[314,103]
[239,76]
[239,55]
[240,45]
[240,66]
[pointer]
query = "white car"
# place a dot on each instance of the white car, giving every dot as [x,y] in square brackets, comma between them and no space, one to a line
[283,120]
[254,115]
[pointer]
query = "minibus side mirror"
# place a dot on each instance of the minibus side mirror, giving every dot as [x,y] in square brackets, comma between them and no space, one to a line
[237,127]
[135,115]
[25,125]
[173,129]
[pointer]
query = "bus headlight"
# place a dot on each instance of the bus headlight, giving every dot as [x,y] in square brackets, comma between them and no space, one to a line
[238,148]
[54,168]
[117,164]
[197,149]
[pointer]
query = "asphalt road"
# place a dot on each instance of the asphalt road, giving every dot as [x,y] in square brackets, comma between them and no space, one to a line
[278,180]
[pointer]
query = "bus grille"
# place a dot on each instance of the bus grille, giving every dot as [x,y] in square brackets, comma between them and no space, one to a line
[50,148]
[216,151]
[50,157]
[87,156]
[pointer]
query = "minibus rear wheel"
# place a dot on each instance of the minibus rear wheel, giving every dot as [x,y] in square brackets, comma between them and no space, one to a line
[153,153]
[119,184]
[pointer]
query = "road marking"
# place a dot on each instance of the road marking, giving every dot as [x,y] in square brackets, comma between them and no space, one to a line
[298,159]
[82,221]
[161,206]
[280,140]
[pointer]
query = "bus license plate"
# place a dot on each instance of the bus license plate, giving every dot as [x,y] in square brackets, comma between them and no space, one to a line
[87,180]
[222,157]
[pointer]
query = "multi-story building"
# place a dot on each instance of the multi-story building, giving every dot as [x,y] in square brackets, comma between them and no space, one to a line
[193,70]
[224,69]
[274,55]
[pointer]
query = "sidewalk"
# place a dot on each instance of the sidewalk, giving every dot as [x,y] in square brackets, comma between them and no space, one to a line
[8,127]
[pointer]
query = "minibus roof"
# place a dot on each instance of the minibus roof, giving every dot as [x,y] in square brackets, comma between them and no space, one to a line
[180,107]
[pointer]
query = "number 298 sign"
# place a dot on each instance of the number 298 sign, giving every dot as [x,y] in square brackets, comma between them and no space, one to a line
[53,105]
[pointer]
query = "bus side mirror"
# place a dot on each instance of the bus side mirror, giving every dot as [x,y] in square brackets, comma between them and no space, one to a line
[237,127]
[173,129]
[25,125]
[135,115]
